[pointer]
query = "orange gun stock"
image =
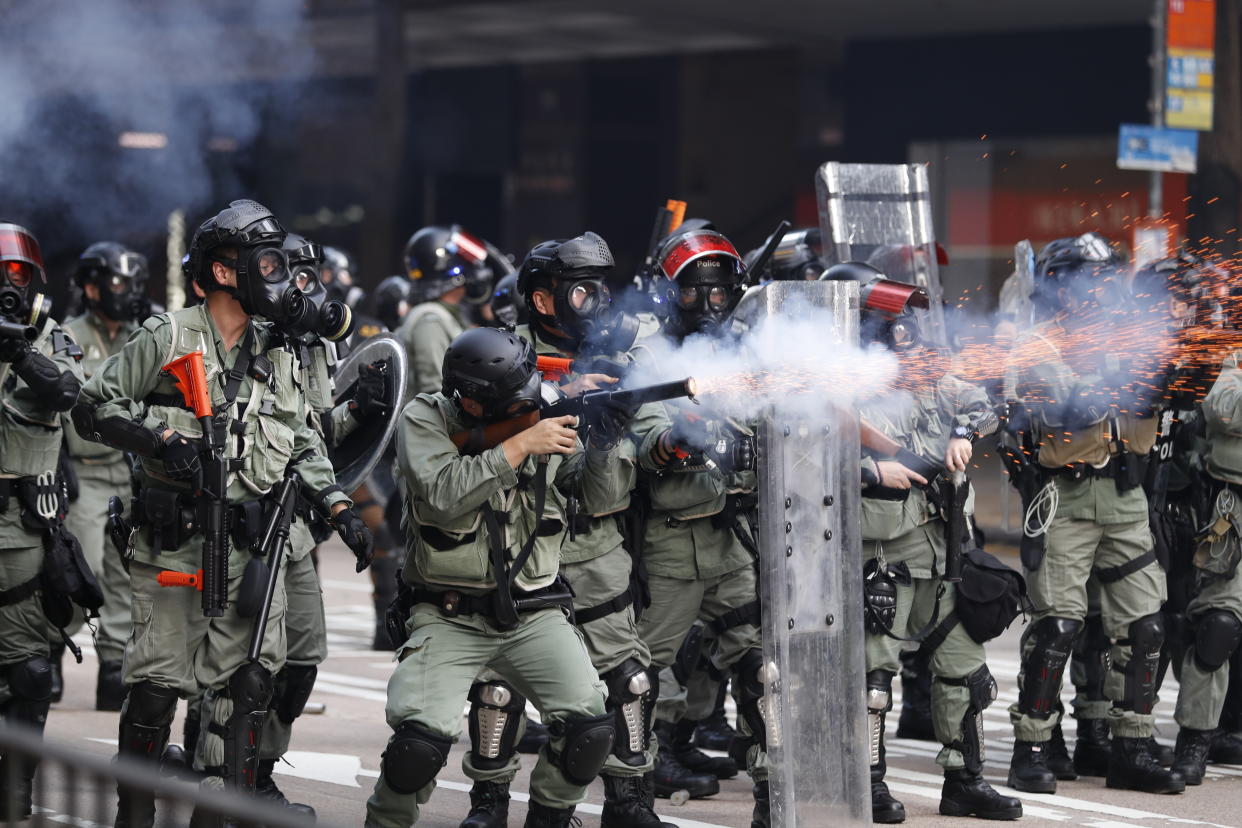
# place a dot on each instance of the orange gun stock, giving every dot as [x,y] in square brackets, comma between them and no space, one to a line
[190,378]
[678,211]
[554,369]
[168,578]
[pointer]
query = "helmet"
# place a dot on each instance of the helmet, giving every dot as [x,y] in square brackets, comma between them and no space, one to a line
[338,273]
[576,273]
[21,269]
[265,284]
[495,370]
[699,279]
[392,300]
[886,306]
[326,317]
[1080,263]
[439,259]
[507,304]
[797,258]
[120,274]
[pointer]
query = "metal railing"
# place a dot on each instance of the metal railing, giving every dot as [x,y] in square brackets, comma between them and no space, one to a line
[77,788]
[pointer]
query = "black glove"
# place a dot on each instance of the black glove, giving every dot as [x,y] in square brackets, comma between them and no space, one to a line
[180,456]
[608,423]
[371,391]
[356,536]
[13,348]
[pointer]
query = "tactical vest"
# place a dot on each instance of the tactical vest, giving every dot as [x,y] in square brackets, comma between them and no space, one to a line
[30,439]
[95,350]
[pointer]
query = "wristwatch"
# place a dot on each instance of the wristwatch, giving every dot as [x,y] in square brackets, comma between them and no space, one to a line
[964,432]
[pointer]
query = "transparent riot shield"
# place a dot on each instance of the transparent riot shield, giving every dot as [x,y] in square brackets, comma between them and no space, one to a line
[881,214]
[811,581]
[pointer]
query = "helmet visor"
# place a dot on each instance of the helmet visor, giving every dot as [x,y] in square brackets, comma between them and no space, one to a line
[19,253]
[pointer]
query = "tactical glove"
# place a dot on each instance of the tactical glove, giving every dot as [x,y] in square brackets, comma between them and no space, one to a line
[608,423]
[370,394]
[356,536]
[180,456]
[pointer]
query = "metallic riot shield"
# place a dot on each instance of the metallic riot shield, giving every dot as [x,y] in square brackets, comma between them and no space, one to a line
[881,214]
[356,455]
[811,582]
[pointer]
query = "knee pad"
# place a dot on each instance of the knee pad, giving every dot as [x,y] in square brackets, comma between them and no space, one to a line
[294,684]
[250,688]
[588,742]
[413,758]
[981,691]
[496,711]
[632,702]
[146,720]
[31,679]
[879,702]
[689,654]
[1217,634]
[1091,650]
[1051,641]
[1146,637]
[754,677]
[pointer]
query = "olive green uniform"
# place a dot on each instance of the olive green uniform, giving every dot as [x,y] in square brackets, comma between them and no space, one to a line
[698,568]
[30,439]
[544,657]
[907,536]
[1201,697]
[173,645]
[101,472]
[1096,529]
[426,332]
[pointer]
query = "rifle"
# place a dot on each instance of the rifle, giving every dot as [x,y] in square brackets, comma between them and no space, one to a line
[210,488]
[555,369]
[484,437]
[663,226]
[765,255]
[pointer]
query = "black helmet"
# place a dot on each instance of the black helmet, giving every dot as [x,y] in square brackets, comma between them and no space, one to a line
[392,300]
[495,369]
[886,306]
[507,304]
[576,272]
[797,258]
[21,276]
[699,279]
[439,259]
[339,274]
[1079,263]
[120,275]
[265,284]
[326,317]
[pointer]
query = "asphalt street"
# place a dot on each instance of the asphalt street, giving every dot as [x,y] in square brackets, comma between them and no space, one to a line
[334,763]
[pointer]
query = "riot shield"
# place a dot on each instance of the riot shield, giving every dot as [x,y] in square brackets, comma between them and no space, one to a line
[356,455]
[810,584]
[881,214]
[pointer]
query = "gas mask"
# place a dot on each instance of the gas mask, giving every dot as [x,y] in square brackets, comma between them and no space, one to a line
[701,281]
[21,274]
[265,286]
[120,276]
[325,316]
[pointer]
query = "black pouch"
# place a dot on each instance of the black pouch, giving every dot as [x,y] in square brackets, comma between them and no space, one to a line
[169,520]
[989,597]
[246,525]
[879,597]
[65,573]
[398,613]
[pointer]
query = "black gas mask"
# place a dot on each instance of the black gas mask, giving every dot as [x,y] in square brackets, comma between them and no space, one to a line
[265,285]
[21,276]
[325,316]
[120,277]
[575,272]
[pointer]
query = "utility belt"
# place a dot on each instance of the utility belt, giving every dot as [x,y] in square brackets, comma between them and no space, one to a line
[1127,470]
[453,603]
[42,499]
[171,519]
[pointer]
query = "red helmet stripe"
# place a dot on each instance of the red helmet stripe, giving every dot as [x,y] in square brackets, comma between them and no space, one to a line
[695,245]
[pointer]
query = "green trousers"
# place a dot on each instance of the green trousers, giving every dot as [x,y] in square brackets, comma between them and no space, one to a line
[87,521]
[676,604]
[1058,588]
[23,626]
[545,658]
[1201,696]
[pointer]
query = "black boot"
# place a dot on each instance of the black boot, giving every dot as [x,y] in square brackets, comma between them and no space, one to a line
[265,788]
[489,806]
[1028,769]
[57,659]
[715,732]
[1191,757]
[1226,749]
[384,577]
[915,721]
[110,691]
[966,794]
[17,802]
[541,816]
[626,806]
[1091,749]
[1057,756]
[721,767]
[1132,767]
[885,808]
[671,776]
[761,814]
[534,737]
[1163,754]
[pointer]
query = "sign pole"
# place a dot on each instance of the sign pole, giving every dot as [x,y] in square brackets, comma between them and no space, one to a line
[1155,192]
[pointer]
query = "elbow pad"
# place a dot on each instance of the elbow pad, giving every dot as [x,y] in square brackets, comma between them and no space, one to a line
[118,432]
[47,380]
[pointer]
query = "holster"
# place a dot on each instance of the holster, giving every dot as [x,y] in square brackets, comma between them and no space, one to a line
[166,514]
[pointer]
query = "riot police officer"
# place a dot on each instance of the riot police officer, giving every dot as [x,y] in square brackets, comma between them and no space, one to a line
[236,257]
[41,379]
[113,281]
[488,522]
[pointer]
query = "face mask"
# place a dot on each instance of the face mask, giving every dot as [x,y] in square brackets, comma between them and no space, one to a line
[122,292]
[326,317]
[265,287]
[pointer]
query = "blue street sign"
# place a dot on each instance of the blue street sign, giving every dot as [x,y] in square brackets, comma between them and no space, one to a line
[1145,147]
